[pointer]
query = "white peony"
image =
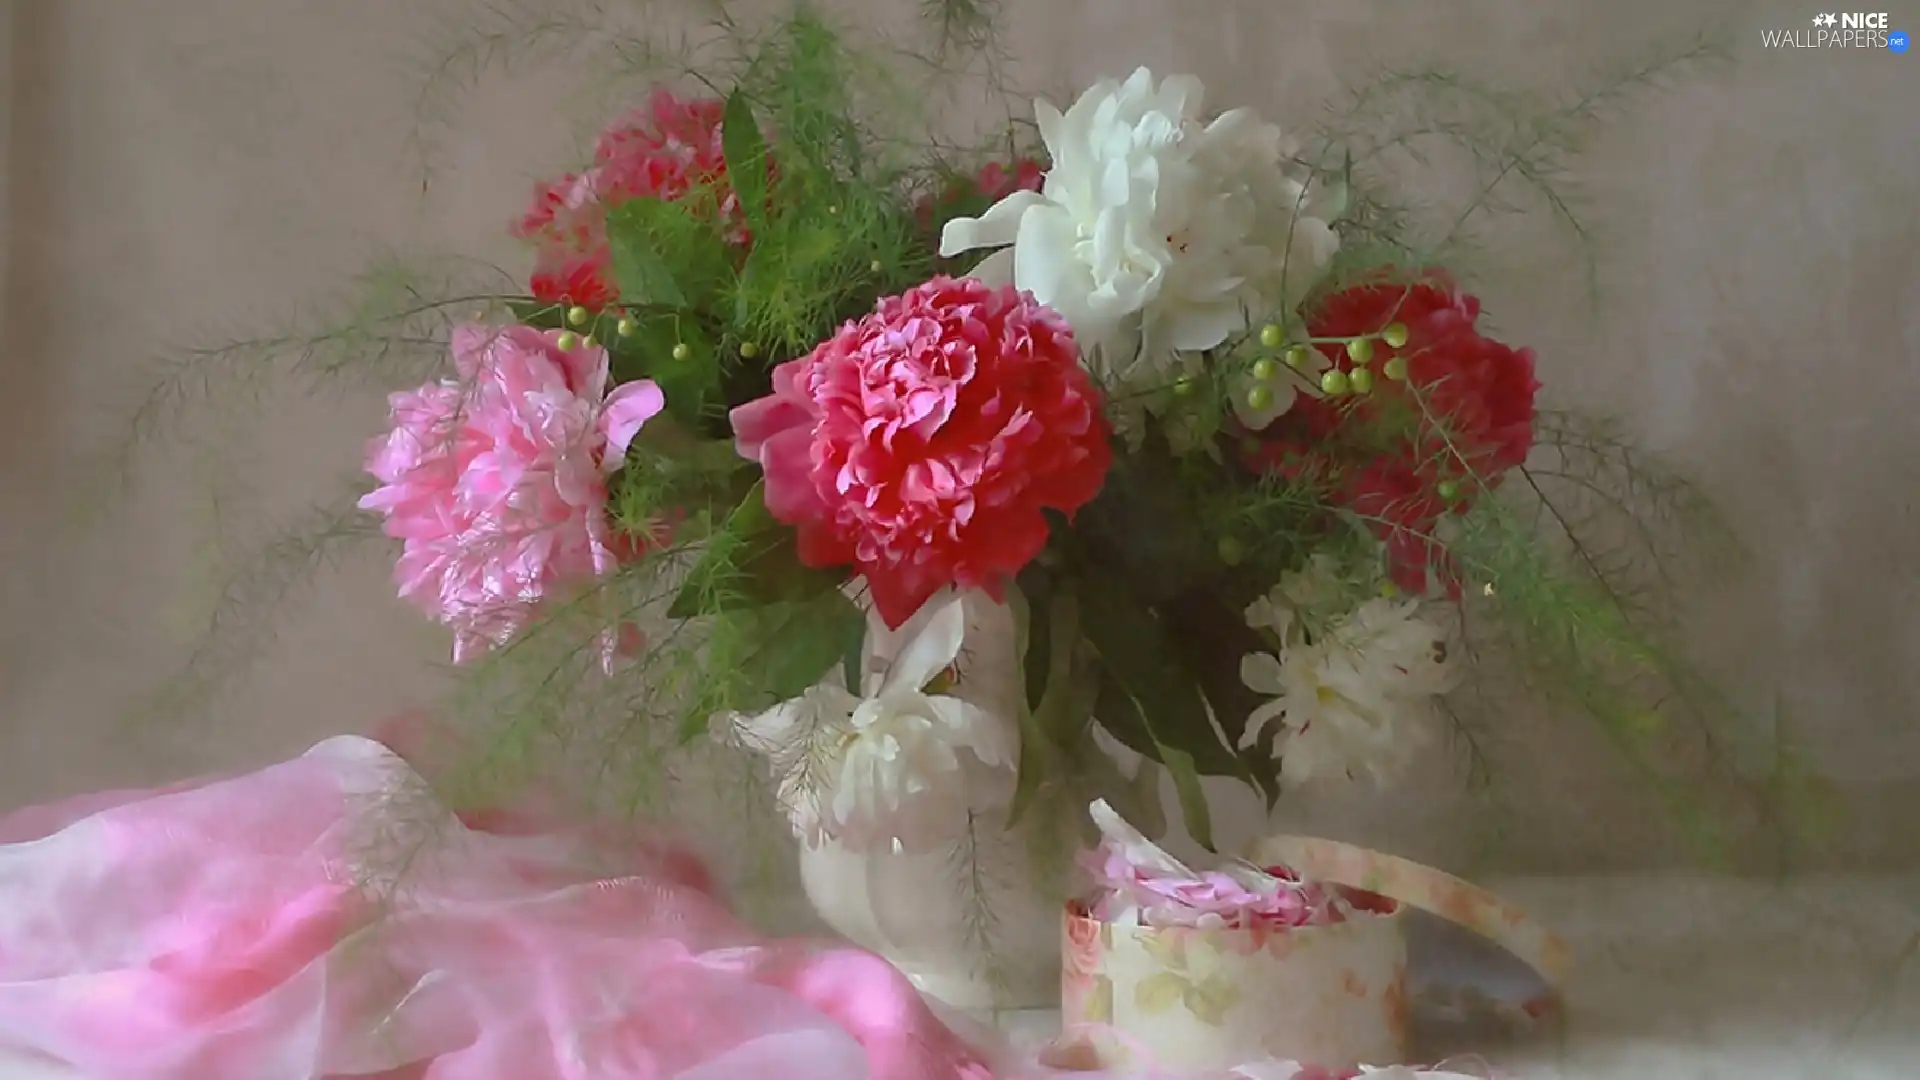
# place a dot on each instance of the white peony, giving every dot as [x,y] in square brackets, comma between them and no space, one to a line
[896,768]
[1356,698]
[1154,232]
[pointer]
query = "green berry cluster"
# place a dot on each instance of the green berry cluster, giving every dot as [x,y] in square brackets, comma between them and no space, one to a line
[1358,379]
[625,325]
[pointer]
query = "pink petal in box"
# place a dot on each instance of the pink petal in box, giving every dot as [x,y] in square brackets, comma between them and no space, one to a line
[1198,998]
[1334,995]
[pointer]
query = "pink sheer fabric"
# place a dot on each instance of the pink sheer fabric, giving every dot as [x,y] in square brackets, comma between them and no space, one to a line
[221,931]
[224,930]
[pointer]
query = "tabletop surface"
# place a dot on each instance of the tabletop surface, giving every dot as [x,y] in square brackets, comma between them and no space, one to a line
[1686,978]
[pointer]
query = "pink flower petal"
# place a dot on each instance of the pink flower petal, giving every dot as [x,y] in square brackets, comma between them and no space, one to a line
[470,342]
[624,413]
[759,420]
[789,492]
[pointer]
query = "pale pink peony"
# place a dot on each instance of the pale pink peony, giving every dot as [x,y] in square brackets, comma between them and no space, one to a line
[495,482]
[921,444]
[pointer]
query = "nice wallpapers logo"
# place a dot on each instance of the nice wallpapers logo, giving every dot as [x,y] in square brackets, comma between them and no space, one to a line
[1843,30]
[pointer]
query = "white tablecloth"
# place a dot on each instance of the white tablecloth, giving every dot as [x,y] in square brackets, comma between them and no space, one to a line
[1691,979]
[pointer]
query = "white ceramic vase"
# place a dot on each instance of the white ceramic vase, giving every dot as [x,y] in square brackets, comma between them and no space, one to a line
[974,924]
[924,914]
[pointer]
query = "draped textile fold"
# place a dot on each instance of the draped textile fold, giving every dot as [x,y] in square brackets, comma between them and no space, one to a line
[225,931]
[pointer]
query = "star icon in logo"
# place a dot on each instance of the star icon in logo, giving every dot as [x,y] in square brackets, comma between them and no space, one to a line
[1824,20]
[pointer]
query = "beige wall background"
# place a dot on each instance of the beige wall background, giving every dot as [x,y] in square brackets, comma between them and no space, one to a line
[204,169]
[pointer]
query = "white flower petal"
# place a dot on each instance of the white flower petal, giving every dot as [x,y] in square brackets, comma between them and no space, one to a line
[993,739]
[995,228]
[930,651]
[1053,129]
[1257,723]
[1180,95]
[1044,264]
[1202,326]
[1262,673]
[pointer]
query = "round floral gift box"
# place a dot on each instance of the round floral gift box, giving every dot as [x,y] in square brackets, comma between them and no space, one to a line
[1197,998]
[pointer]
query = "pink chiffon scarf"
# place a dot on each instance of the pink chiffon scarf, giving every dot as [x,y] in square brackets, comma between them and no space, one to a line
[230,930]
[226,931]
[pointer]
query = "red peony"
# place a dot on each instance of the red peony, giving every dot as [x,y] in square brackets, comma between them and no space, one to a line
[921,444]
[669,149]
[567,224]
[1459,419]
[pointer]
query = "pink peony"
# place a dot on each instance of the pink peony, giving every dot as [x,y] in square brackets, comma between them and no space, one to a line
[495,483]
[921,444]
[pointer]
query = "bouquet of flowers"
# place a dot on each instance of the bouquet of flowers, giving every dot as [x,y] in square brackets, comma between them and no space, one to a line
[1208,474]
[1156,427]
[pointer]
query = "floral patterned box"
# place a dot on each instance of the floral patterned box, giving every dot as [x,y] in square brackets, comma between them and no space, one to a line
[1185,998]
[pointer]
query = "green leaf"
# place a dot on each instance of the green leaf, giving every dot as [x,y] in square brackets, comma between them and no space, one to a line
[751,562]
[1126,720]
[1209,638]
[853,663]
[1056,720]
[1145,527]
[1137,652]
[1036,587]
[806,640]
[745,150]
[665,256]
[1340,191]
[784,295]
[671,350]
[639,268]
[785,648]
[1152,702]
[1033,763]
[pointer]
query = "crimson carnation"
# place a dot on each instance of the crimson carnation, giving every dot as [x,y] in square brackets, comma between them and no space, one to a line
[921,444]
[1427,438]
